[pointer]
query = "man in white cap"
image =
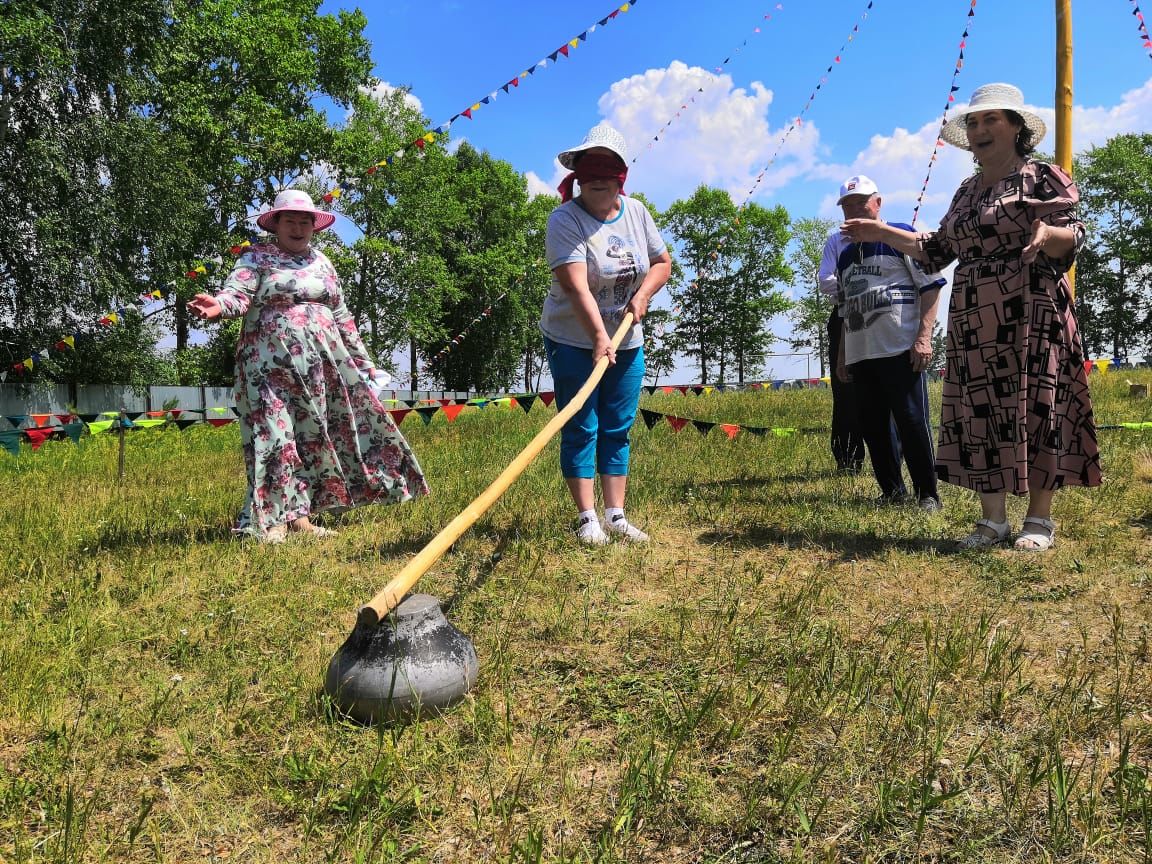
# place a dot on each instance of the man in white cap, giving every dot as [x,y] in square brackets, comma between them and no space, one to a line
[888,308]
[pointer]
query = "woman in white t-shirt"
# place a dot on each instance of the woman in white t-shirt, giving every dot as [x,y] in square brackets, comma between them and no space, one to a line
[607,258]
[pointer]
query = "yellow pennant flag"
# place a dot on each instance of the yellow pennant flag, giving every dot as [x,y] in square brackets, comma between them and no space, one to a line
[430,137]
[1102,365]
[28,363]
[70,341]
[574,42]
[113,317]
[708,391]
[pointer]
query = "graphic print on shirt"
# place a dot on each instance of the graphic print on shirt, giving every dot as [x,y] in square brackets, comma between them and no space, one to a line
[862,304]
[625,269]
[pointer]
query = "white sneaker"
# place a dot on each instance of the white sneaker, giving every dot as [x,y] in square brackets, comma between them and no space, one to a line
[625,530]
[590,533]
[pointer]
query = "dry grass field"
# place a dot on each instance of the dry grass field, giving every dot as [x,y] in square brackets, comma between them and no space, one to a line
[786,673]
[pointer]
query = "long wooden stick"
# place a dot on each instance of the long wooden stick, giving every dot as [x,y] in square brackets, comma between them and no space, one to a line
[392,593]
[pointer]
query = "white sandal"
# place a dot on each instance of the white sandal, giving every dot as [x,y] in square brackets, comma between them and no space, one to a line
[979,540]
[1041,540]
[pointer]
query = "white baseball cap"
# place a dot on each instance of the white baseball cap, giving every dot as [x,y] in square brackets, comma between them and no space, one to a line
[858,185]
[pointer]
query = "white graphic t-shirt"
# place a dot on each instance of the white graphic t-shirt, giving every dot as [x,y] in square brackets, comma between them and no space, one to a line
[617,253]
[877,292]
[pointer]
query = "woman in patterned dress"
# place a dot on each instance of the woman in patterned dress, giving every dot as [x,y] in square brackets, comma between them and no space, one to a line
[1016,416]
[314,433]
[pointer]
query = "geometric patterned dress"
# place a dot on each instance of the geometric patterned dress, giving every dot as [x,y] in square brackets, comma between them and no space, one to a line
[314,432]
[1016,412]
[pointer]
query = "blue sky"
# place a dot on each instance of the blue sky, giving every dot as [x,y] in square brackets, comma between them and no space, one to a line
[877,113]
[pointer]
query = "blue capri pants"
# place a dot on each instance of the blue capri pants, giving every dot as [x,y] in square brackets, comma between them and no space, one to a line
[596,439]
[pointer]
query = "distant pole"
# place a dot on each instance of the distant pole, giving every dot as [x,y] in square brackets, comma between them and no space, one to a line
[1064,99]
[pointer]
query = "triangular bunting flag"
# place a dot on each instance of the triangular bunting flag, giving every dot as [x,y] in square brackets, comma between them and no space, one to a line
[651,418]
[427,412]
[703,426]
[677,423]
[452,411]
[526,402]
[547,397]
[730,429]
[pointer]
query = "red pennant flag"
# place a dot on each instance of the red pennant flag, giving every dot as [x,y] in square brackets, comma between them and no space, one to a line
[452,411]
[398,414]
[564,49]
[221,421]
[667,388]
[548,397]
[730,429]
[677,423]
[41,419]
[467,112]
[36,437]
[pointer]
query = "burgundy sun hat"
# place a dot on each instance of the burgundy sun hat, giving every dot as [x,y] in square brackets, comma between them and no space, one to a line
[299,202]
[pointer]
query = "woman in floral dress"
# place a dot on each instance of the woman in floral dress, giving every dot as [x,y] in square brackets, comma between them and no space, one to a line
[1017,415]
[315,435]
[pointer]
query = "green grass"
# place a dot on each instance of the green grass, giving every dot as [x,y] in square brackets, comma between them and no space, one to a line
[785,674]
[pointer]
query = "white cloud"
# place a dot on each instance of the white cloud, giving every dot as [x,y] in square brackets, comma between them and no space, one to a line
[536,186]
[382,90]
[722,137]
[898,161]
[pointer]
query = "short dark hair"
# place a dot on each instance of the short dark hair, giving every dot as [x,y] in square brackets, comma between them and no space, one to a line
[1025,143]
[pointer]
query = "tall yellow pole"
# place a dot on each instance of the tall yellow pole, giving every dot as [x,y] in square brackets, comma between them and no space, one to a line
[1064,98]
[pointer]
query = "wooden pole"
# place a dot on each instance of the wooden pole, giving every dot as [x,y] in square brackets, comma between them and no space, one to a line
[1064,99]
[391,594]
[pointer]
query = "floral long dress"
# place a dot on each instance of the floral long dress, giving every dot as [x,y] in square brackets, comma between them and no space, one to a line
[1016,412]
[314,433]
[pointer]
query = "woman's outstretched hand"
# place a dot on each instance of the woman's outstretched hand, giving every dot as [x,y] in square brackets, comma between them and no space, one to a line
[862,230]
[206,306]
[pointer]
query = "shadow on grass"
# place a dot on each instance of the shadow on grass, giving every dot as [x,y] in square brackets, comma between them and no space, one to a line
[114,537]
[757,482]
[847,545]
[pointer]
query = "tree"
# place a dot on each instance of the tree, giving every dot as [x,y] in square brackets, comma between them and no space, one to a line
[91,191]
[736,257]
[396,280]
[757,248]
[487,254]
[1114,273]
[659,358]
[237,81]
[810,313]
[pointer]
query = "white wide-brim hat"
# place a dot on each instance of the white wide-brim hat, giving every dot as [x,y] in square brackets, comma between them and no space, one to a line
[992,97]
[602,135]
[296,201]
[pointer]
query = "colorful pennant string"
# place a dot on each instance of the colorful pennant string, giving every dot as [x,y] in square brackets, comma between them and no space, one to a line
[796,123]
[1145,41]
[718,70]
[111,319]
[947,105]
[428,137]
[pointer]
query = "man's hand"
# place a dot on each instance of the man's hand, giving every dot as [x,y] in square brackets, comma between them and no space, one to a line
[921,353]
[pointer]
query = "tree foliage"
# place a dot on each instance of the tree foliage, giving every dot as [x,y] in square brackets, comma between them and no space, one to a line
[1114,270]
[810,312]
[737,260]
